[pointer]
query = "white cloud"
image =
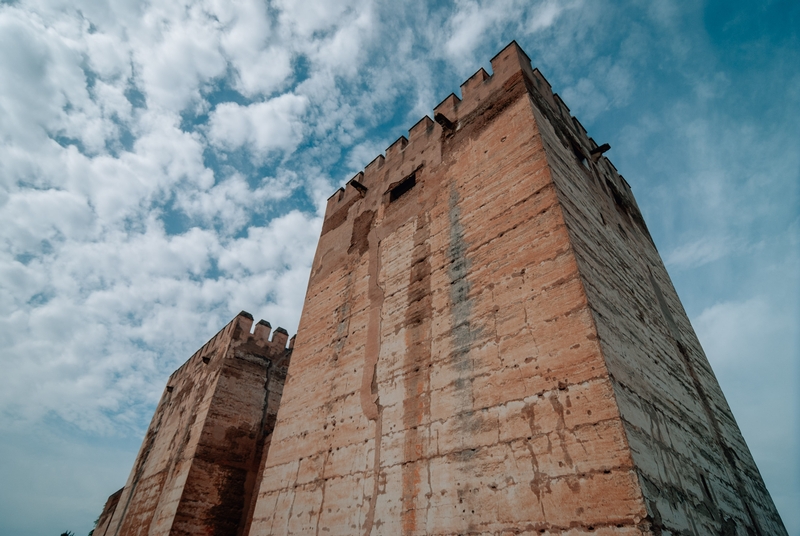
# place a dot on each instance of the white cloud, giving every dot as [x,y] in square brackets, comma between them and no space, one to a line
[178,51]
[544,15]
[263,127]
[39,75]
[285,242]
[30,216]
[701,251]
[317,16]
[476,20]
[260,61]
[741,332]
[468,25]
[232,202]
[77,355]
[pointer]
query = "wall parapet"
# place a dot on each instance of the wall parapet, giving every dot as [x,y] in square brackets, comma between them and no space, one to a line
[241,328]
[449,115]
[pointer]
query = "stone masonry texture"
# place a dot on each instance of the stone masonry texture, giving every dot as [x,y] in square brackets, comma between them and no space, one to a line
[490,344]
[200,462]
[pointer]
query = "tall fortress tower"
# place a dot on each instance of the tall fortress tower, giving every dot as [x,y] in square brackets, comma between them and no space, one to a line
[490,344]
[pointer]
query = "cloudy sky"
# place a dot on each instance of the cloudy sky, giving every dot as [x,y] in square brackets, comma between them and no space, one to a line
[164,165]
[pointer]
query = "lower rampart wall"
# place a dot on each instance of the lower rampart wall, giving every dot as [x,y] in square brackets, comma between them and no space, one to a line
[196,471]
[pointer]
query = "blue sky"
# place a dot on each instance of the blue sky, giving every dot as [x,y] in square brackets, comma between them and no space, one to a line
[164,165]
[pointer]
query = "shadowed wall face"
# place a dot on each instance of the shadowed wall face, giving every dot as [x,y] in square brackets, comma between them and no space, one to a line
[695,471]
[197,468]
[104,520]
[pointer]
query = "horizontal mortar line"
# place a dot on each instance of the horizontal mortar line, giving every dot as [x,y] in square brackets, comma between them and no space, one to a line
[545,478]
[524,200]
[696,432]
[542,527]
[465,412]
[685,415]
[472,250]
[644,434]
[446,361]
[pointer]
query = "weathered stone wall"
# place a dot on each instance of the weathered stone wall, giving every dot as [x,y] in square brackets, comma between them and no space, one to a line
[696,472]
[448,378]
[101,528]
[196,471]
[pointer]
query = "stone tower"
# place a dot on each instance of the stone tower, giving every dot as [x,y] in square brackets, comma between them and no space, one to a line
[200,462]
[490,344]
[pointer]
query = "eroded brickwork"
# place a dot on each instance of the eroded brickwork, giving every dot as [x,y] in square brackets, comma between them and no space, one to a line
[101,528]
[197,470]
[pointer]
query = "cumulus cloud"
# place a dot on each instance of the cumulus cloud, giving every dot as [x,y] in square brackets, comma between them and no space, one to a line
[317,16]
[473,20]
[41,75]
[120,313]
[701,251]
[262,127]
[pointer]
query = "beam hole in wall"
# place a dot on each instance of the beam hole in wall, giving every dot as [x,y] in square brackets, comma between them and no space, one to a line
[402,187]
[580,156]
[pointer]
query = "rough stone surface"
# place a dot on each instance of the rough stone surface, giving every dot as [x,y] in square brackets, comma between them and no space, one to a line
[199,464]
[101,528]
[490,344]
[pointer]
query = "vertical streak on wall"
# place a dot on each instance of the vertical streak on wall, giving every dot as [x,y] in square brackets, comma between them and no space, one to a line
[417,363]
[370,399]
[460,310]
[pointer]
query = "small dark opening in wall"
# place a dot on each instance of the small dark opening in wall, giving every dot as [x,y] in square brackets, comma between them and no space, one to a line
[580,156]
[169,388]
[404,186]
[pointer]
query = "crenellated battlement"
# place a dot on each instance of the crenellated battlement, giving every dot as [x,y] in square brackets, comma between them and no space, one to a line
[241,330]
[479,94]
[259,333]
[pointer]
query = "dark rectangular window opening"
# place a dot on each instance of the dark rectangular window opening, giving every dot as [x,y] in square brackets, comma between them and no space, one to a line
[402,187]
